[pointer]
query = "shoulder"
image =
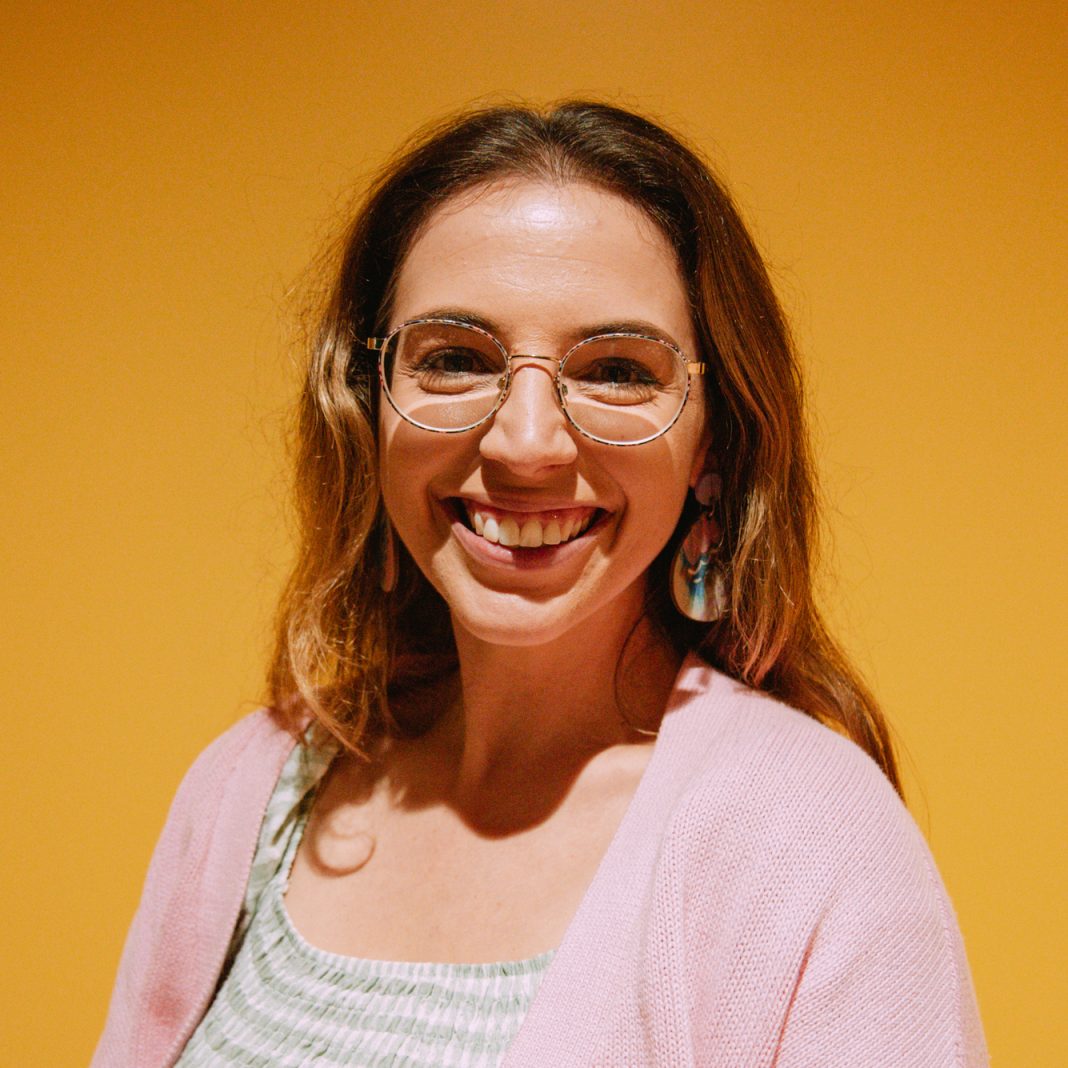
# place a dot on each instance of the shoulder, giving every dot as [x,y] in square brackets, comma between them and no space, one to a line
[244,750]
[207,841]
[790,856]
[743,733]
[235,774]
[790,826]
[192,893]
[770,776]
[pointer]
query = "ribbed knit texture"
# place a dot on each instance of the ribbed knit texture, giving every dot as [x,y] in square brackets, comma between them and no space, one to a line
[286,1003]
[767,902]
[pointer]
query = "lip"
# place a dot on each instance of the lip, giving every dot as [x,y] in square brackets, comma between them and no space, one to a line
[526,506]
[516,558]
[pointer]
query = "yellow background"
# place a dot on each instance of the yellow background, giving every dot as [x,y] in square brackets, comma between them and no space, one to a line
[168,172]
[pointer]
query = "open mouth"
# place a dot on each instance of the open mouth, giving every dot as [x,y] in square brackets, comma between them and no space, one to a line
[525,530]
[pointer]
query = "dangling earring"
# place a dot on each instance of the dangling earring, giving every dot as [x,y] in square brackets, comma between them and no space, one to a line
[388,581]
[698,584]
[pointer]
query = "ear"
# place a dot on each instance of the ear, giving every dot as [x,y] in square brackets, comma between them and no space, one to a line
[703,458]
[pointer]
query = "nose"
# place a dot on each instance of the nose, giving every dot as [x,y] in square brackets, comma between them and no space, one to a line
[530,432]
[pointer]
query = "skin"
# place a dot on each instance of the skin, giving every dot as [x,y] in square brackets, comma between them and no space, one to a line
[477,840]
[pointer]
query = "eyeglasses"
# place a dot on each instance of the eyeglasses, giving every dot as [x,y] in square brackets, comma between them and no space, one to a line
[448,376]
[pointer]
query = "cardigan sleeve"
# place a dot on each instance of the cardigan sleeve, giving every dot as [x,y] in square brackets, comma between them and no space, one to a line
[192,894]
[186,819]
[817,932]
[884,978]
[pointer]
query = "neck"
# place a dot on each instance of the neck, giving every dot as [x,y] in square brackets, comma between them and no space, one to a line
[540,713]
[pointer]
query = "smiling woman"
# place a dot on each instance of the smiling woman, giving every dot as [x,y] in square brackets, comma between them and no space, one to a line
[562,766]
[547,264]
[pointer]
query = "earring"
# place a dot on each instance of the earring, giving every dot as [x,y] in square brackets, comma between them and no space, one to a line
[388,581]
[698,584]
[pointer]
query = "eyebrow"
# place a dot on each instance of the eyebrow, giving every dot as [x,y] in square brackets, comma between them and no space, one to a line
[614,326]
[459,316]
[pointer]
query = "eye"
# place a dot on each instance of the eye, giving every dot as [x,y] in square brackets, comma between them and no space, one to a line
[452,361]
[448,369]
[455,362]
[619,371]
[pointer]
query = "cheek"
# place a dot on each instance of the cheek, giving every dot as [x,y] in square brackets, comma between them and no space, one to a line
[410,463]
[400,463]
[654,514]
[660,495]
[656,490]
[402,451]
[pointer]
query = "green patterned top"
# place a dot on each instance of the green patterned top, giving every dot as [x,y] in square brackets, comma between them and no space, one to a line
[284,1002]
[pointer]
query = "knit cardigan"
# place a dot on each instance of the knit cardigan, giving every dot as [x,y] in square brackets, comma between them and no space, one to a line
[766,901]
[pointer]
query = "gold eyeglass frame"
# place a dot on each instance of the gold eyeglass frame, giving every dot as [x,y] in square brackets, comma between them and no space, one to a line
[380,345]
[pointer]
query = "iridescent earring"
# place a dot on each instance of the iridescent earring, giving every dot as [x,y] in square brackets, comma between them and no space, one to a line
[698,582]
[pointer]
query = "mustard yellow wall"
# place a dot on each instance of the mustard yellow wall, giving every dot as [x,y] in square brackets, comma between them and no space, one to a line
[169,169]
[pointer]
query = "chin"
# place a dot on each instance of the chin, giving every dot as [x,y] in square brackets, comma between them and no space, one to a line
[518,625]
[519,620]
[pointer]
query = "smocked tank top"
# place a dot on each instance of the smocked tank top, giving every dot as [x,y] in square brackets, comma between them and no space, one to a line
[286,1003]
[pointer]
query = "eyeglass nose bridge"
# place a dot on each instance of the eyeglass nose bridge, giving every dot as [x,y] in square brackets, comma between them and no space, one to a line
[505,382]
[541,365]
[532,356]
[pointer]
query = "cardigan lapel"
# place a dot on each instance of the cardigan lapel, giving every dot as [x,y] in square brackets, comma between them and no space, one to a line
[208,910]
[601,946]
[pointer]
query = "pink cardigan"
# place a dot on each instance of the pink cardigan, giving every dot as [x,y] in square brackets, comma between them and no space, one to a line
[766,901]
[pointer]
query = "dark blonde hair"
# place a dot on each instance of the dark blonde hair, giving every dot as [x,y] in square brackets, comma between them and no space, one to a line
[344,646]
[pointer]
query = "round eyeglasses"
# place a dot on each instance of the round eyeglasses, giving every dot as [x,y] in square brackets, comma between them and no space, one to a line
[448,376]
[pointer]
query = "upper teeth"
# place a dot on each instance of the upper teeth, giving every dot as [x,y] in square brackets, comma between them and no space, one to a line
[526,532]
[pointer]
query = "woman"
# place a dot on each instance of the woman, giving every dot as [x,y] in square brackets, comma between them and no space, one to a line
[563,767]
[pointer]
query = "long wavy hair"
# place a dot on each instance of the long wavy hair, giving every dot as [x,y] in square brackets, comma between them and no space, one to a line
[344,647]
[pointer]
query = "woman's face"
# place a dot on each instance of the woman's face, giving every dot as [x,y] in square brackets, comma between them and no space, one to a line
[544,266]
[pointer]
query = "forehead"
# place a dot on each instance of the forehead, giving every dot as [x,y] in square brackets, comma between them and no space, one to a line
[527,252]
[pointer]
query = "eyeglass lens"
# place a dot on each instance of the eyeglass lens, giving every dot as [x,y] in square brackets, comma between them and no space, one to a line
[446,376]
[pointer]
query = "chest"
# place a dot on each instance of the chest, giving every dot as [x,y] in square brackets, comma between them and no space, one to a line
[381,879]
